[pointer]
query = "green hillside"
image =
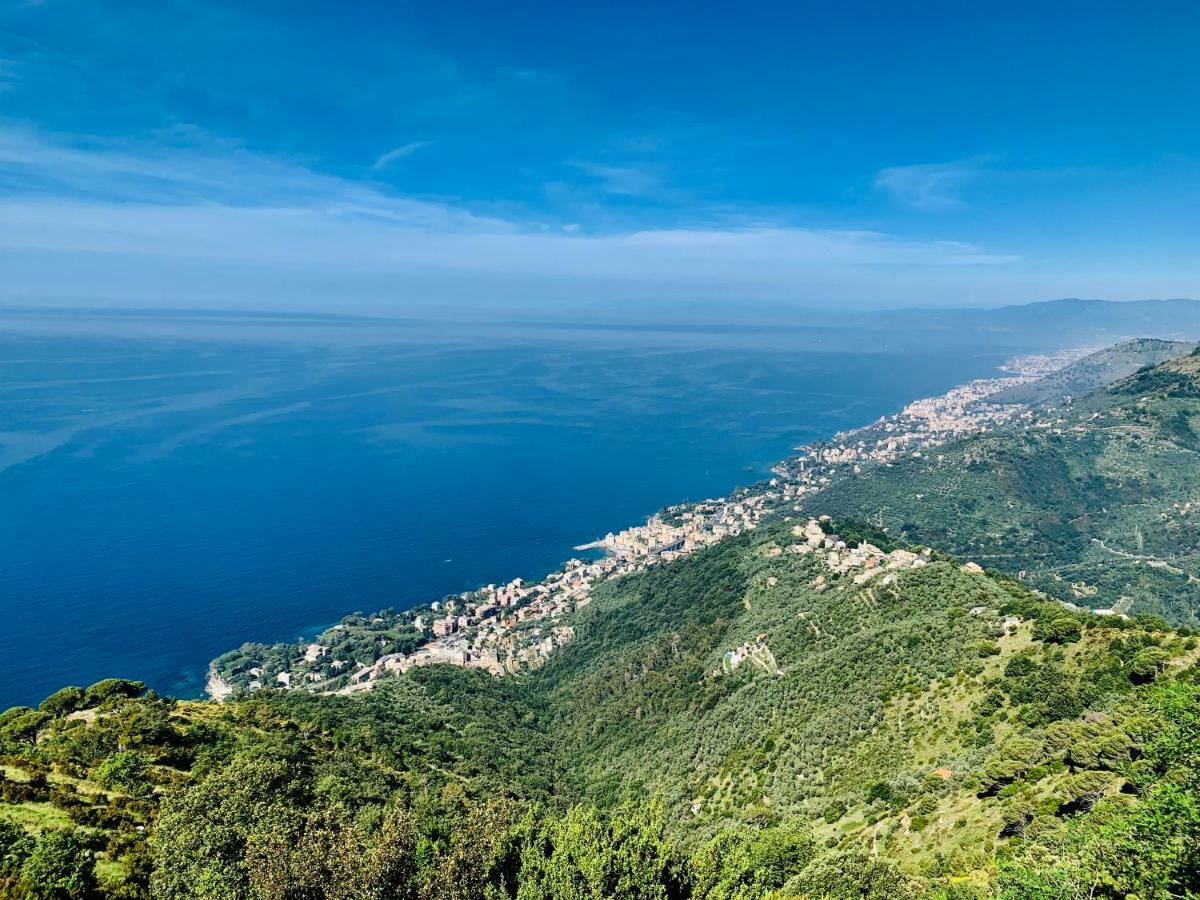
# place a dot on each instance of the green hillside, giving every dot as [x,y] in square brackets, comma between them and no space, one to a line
[1096,370]
[1094,503]
[783,712]
[925,721]
[814,708]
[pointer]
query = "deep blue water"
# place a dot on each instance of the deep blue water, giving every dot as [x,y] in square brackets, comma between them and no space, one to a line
[171,488]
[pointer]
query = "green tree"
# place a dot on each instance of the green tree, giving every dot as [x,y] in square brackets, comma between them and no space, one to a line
[127,771]
[21,725]
[743,863]
[63,701]
[1063,629]
[326,856]
[113,689]
[1147,664]
[584,856]
[852,875]
[15,847]
[201,836]
[61,867]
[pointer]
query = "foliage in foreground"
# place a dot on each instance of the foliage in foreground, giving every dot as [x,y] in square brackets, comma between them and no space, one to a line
[748,722]
[900,740]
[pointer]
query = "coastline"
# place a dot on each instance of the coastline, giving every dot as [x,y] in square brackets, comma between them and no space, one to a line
[510,628]
[216,687]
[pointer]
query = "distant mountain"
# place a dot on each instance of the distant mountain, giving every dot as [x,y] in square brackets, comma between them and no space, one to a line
[1055,324]
[1096,370]
[1168,319]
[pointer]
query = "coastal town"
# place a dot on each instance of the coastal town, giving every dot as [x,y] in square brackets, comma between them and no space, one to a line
[501,629]
[923,425]
[504,629]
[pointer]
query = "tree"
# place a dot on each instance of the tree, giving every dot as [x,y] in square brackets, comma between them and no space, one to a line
[63,701]
[126,770]
[390,869]
[61,867]
[21,725]
[1147,664]
[1062,629]
[326,856]
[15,847]
[113,689]
[201,834]
[483,856]
[584,856]
[316,858]
[851,875]
[743,864]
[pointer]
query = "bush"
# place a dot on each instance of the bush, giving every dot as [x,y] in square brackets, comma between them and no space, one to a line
[63,701]
[834,811]
[60,866]
[15,847]
[113,689]
[125,771]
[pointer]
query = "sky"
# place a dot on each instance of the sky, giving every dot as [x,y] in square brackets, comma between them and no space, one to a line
[398,156]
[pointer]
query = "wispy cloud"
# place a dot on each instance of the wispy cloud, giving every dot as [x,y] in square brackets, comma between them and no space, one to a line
[930,186]
[202,220]
[630,181]
[398,153]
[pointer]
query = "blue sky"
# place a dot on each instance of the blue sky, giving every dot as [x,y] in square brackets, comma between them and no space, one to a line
[366,156]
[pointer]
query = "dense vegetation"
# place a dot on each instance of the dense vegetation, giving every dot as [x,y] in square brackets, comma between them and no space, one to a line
[907,739]
[357,640]
[1093,503]
[1096,370]
[750,721]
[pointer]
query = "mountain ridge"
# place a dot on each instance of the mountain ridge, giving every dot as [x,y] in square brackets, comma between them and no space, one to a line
[1096,370]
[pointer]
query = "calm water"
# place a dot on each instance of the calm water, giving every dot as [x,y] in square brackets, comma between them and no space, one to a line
[171,488]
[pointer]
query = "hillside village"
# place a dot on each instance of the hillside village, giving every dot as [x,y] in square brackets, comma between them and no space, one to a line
[925,424]
[501,629]
[507,628]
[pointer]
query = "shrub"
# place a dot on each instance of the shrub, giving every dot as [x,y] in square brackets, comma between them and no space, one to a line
[113,689]
[60,866]
[63,701]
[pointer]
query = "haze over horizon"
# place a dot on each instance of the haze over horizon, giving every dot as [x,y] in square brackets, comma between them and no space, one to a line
[395,157]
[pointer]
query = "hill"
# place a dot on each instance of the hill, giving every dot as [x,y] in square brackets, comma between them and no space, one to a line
[1171,318]
[905,700]
[1096,370]
[1054,324]
[788,713]
[876,697]
[1092,503]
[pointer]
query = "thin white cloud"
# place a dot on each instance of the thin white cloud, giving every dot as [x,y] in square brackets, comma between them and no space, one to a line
[632,181]
[398,153]
[930,186]
[187,219]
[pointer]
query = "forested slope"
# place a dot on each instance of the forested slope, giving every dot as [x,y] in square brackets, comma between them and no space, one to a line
[1096,370]
[774,716]
[1095,503]
[810,709]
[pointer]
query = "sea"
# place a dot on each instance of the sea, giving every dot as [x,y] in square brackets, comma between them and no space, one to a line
[174,484]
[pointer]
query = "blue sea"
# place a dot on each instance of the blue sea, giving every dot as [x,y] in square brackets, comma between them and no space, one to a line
[172,485]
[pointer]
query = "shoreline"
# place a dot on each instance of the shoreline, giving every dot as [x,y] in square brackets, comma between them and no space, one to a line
[216,687]
[515,627]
